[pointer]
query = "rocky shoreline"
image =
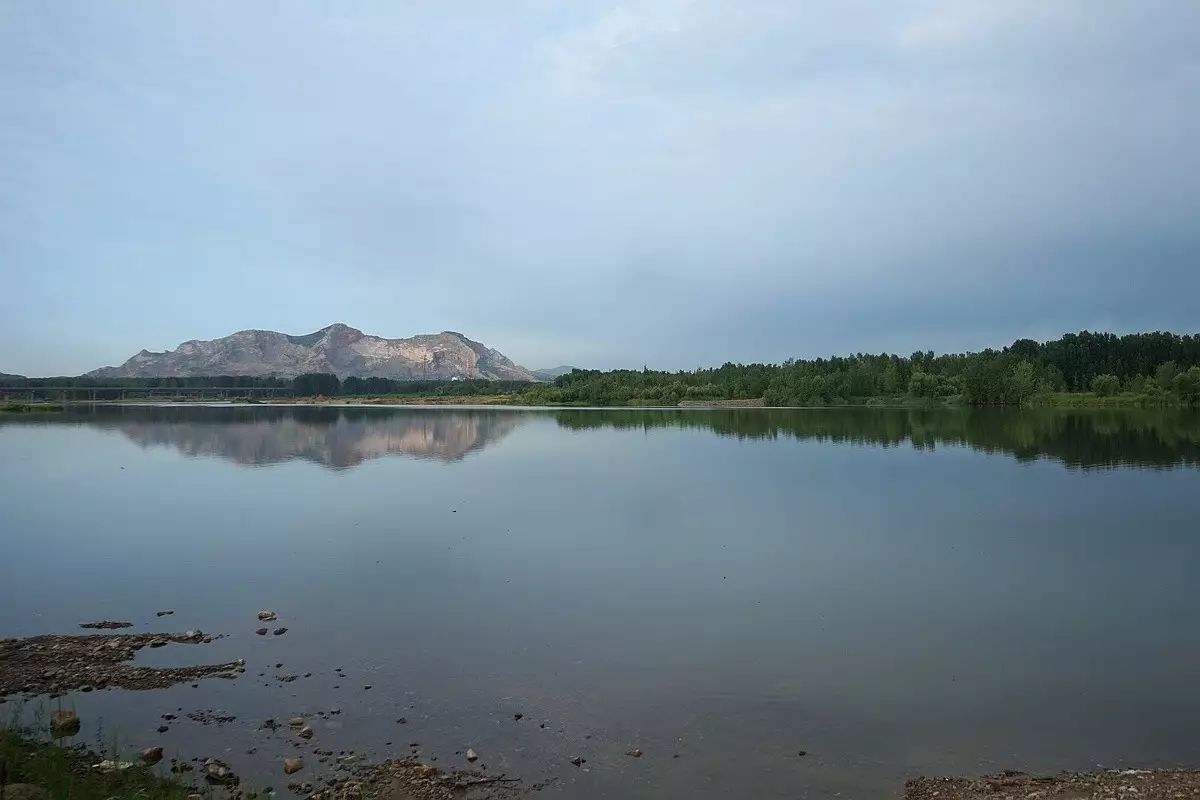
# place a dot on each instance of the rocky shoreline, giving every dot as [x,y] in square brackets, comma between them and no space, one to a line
[1139,784]
[53,665]
[93,774]
[56,664]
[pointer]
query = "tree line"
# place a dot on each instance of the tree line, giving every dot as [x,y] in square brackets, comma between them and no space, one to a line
[307,385]
[1156,368]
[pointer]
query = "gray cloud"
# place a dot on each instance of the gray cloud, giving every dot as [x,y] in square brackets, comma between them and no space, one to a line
[674,183]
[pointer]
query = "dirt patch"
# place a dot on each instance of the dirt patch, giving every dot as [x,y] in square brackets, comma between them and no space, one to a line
[413,780]
[1009,785]
[56,664]
[752,402]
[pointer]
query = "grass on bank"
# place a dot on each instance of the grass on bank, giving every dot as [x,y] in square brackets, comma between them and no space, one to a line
[67,774]
[29,408]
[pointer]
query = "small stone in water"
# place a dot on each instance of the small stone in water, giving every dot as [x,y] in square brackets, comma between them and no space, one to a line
[471,756]
[280,631]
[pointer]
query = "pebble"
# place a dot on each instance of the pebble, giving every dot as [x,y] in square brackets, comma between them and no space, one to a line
[164,613]
[151,755]
[279,631]
[64,722]
[296,722]
[578,761]
[471,756]
[163,729]
[517,717]
[266,616]
[261,631]
[634,753]
[292,765]
[305,733]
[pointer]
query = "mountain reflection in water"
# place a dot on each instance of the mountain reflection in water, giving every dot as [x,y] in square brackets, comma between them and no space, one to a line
[337,438]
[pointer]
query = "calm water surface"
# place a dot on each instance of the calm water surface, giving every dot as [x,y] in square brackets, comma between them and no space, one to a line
[895,592]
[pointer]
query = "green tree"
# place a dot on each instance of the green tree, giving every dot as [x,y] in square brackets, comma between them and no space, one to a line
[1106,385]
[314,383]
[1023,382]
[1187,385]
[1165,374]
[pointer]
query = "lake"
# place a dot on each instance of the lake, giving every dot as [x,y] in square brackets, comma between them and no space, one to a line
[895,592]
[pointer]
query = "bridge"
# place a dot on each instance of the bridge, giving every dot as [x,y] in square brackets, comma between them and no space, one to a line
[105,394]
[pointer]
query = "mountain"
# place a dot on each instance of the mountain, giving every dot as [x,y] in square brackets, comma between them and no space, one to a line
[551,373]
[339,349]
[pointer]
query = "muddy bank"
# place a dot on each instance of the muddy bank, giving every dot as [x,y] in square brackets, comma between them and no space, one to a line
[1010,785]
[55,664]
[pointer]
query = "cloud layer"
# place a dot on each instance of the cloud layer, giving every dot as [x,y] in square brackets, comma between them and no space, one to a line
[665,182]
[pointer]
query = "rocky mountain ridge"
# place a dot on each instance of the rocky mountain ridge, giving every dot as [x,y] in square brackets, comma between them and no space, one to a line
[550,373]
[337,348]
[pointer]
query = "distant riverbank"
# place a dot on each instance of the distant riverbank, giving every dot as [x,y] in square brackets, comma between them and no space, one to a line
[538,398]
[1049,400]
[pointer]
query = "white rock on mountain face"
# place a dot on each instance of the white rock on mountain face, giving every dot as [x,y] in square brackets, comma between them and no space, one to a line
[339,349]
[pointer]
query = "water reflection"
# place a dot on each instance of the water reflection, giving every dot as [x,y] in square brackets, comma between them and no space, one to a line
[340,438]
[337,438]
[1084,438]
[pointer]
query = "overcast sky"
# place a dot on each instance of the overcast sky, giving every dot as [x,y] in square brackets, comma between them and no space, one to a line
[668,183]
